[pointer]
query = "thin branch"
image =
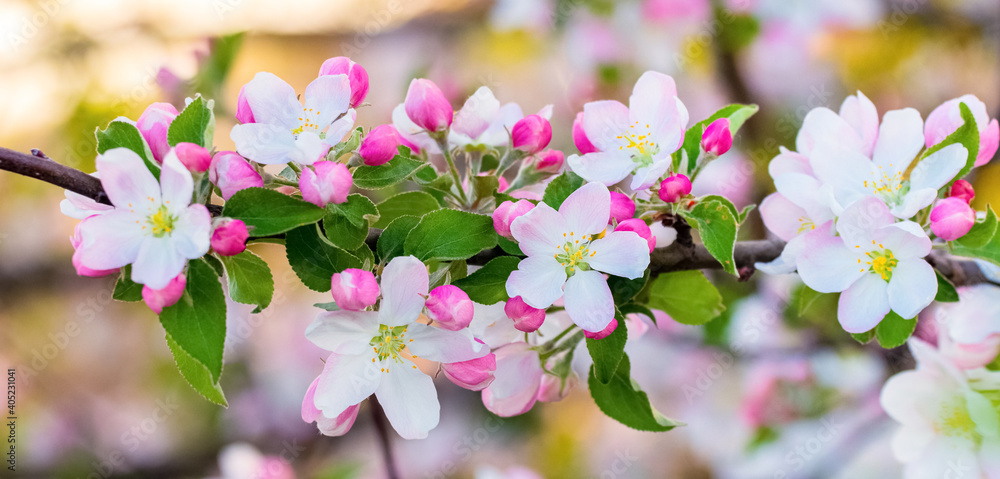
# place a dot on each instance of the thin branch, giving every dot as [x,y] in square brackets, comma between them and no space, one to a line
[383,432]
[51,172]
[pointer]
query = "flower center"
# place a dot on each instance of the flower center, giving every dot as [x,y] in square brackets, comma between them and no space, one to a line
[389,342]
[880,262]
[161,223]
[638,140]
[954,421]
[889,188]
[573,254]
[307,122]
[806,224]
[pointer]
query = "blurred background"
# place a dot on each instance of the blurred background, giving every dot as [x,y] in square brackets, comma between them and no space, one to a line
[773,388]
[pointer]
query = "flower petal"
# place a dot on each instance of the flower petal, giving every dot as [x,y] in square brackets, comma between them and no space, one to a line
[127,180]
[906,240]
[309,148]
[541,231]
[516,381]
[608,167]
[826,264]
[588,301]
[442,345]
[822,125]
[938,169]
[647,176]
[342,127]
[844,170]
[538,280]
[603,122]
[621,253]
[157,263]
[264,143]
[343,331]
[863,304]
[176,184]
[476,114]
[328,96]
[587,209]
[192,232]
[789,162]
[914,201]
[111,240]
[912,287]
[859,112]
[858,223]
[404,287]
[409,400]
[346,380]
[900,138]
[781,216]
[272,101]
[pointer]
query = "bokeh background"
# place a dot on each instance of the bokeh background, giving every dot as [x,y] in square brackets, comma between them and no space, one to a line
[773,388]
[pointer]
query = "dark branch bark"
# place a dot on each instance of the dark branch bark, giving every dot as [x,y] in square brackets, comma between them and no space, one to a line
[43,168]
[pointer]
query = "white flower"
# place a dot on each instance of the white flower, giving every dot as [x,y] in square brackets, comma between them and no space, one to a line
[154,227]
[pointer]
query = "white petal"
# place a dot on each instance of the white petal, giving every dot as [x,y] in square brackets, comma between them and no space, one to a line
[264,143]
[905,239]
[176,183]
[517,379]
[900,138]
[157,263]
[909,443]
[491,325]
[654,102]
[844,170]
[404,286]
[858,223]
[344,332]
[938,169]
[789,162]
[859,112]
[442,345]
[585,208]
[192,231]
[826,264]
[273,101]
[781,216]
[538,280]
[127,180]
[540,231]
[409,400]
[309,148]
[111,240]
[497,134]
[822,125]
[863,304]
[647,176]
[603,122]
[342,127]
[788,261]
[588,301]
[912,287]
[608,167]
[912,398]
[621,253]
[476,114]
[914,201]
[327,96]
[348,379]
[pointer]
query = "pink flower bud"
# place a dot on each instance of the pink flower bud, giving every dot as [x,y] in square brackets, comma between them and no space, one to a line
[612,326]
[531,134]
[717,138]
[427,106]
[503,183]
[243,113]
[552,388]
[195,158]
[157,299]
[952,218]
[379,146]
[231,173]
[354,289]
[640,228]
[450,307]
[82,270]
[474,374]
[622,207]
[229,236]
[674,188]
[549,161]
[327,182]
[580,137]
[356,75]
[963,190]
[947,118]
[506,213]
[335,426]
[153,124]
[526,318]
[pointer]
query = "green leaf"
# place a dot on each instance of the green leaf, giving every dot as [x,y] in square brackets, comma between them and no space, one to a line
[864,338]
[346,224]
[484,186]
[624,289]
[608,352]
[717,227]
[449,235]
[270,212]
[560,188]
[946,292]
[989,251]
[331,306]
[391,241]
[413,203]
[807,297]
[123,134]
[622,400]
[687,296]
[737,114]
[635,308]
[384,176]
[196,124]
[196,374]
[510,247]
[737,30]
[197,322]
[429,177]
[365,256]
[982,232]
[967,135]
[125,288]
[488,285]
[352,143]
[894,330]
[314,259]
[250,280]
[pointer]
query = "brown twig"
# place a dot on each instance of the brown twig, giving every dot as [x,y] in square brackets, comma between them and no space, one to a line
[382,430]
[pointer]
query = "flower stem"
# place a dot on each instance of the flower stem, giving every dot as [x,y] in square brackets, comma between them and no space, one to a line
[443,144]
[295,168]
[382,431]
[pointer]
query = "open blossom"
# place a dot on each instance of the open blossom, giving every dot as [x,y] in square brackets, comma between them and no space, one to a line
[635,140]
[286,131]
[483,121]
[969,330]
[82,270]
[877,263]
[356,74]
[946,416]
[947,117]
[154,227]
[566,259]
[372,353]
[329,426]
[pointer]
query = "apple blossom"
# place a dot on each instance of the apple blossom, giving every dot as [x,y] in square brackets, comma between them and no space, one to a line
[371,351]
[243,112]
[531,134]
[354,289]
[153,124]
[326,182]
[525,317]
[157,299]
[952,218]
[379,145]
[82,270]
[947,117]
[565,260]
[877,263]
[516,382]
[449,307]
[580,139]
[154,227]
[635,140]
[639,227]
[622,207]
[969,330]
[229,236]
[612,326]
[286,131]
[474,374]
[717,139]
[674,187]
[356,74]
[506,213]
[328,426]
[427,107]
[231,173]
[962,189]
[194,157]
[80,207]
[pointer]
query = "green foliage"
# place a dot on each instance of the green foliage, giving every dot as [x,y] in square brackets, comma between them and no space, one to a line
[989,251]
[384,176]
[449,235]
[717,225]
[946,292]
[687,296]
[608,352]
[622,400]
[197,322]
[982,232]
[314,259]
[393,237]
[560,188]
[123,134]
[196,124]
[624,289]
[894,330]
[413,203]
[125,288]
[196,374]
[967,135]
[270,212]
[250,279]
[346,224]
[737,114]
[488,285]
